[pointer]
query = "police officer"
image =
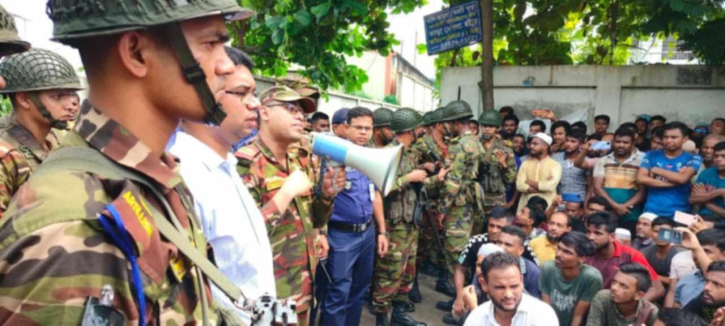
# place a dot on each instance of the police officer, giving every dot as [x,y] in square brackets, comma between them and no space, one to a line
[381,128]
[395,271]
[270,168]
[41,85]
[88,223]
[461,195]
[498,169]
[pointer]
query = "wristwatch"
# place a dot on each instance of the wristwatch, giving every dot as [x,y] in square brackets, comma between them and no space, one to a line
[384,233]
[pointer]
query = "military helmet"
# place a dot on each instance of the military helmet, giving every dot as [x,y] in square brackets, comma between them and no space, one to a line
[37,70]
[490,118]
[427,118]
[435,116]
[382,117]
[405,119]
[78,19]
[457,110]
[474,120]
[9,41]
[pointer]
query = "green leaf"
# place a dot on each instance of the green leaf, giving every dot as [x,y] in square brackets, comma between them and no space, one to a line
[277,36]
[274,21]
[422,48]
[320,10]
[303,18]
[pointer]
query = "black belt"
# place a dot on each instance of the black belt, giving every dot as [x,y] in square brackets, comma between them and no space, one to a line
[347,227]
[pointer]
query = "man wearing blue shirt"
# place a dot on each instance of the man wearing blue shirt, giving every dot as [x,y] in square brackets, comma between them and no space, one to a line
[667,173]
[351,234]
[709,188]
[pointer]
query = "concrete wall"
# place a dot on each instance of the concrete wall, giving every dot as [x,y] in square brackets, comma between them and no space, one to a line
[687,93]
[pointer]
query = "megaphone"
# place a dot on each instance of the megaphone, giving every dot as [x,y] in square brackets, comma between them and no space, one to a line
[380,165]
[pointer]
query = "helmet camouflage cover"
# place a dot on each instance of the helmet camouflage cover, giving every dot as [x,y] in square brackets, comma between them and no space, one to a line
[457,110]
[382,117]
[36,70]
[490,118]
[405,119]
[9,41]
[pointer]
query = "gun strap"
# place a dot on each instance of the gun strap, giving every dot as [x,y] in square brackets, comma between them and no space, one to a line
[85,159]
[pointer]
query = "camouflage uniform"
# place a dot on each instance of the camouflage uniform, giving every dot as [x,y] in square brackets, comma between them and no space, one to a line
[55,252]
[427,248]
[31,72]
[461,195]
[291,232]
[495,180]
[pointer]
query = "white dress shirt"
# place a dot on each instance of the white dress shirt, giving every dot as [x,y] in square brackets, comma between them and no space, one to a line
[231,220]
[530,312]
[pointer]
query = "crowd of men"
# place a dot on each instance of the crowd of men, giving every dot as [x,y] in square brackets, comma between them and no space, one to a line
[179,196]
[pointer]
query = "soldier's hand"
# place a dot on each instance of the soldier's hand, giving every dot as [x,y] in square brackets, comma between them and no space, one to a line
[429,166]
[382,245]
[297,184]
[442,173]
[323,247]
[417,176]
[501,156]
[334,181]
[440,218]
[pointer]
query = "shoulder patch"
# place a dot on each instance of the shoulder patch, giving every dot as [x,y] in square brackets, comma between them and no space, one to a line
[247,152]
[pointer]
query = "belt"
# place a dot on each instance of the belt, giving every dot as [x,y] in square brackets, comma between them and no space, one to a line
[347,227]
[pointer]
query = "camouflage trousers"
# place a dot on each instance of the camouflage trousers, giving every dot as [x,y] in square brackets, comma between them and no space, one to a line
[428,247]
[457,226]
[395,272]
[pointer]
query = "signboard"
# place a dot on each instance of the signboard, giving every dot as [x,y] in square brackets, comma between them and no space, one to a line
[453,28]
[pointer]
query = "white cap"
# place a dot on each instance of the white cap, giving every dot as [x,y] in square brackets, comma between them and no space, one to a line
[488,249]
[649,216]
[623,234]
[546,138]
[689,146]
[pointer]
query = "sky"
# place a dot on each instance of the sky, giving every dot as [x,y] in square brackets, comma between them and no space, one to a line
[35,27]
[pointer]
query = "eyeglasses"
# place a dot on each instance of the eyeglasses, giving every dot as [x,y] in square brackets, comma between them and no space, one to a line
[361,128]
[293,108]
[247,97]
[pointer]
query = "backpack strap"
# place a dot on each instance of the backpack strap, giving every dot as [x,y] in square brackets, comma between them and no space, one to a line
[85,159]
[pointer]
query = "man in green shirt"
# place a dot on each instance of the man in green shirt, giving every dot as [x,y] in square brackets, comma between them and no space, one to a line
[624,305]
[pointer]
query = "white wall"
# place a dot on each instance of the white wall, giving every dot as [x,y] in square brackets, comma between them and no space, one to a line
[687,93]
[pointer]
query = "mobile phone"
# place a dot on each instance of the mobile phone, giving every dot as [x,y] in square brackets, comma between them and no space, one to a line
[571,197]
[602,146]
[669,235]
[684,218]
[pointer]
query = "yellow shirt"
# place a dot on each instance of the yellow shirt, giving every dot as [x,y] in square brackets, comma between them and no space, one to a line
[542,249]
[546,172]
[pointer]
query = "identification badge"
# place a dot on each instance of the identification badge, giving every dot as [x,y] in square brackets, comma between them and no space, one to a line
[274,183]
[372,191]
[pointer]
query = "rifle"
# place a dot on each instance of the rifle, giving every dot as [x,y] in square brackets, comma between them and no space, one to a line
[423,207]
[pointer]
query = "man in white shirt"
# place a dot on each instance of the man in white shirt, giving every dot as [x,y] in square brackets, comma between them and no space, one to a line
[508,305]
[231,221]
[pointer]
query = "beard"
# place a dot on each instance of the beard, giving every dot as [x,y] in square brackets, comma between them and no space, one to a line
[499,306]
[552,239]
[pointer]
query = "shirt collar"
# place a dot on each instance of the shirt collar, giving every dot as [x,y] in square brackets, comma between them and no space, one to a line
[632,156]
[205,154]
[617,249]
[522,265]
[113,140]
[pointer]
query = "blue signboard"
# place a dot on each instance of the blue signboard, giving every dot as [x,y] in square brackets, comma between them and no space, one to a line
[453,28]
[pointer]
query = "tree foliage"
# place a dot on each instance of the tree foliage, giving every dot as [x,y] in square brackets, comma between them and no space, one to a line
[316,35]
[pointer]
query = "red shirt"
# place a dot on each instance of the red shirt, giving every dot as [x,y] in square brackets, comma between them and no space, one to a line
[622,254]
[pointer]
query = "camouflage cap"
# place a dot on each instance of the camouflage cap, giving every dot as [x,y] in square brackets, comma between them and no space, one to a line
[405,119]
[36,70]
[382,117]
[301,87]
[288,95]
[78,19]
[9,41]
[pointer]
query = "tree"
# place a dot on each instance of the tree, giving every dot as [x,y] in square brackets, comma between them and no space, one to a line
[317,35]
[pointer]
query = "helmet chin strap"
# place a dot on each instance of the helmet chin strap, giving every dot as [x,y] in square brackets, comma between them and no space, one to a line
[194,74]
[54,123]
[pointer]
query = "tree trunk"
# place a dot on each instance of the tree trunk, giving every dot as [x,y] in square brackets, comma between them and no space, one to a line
[486,84]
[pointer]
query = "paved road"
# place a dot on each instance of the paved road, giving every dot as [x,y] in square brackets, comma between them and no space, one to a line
[424,311]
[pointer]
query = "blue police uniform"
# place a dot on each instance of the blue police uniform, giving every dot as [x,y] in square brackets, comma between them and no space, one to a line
[351,234]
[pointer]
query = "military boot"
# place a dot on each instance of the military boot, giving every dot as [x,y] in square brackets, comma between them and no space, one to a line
[445,287]
[401,318]
[381,319]
[414,294]
[407,306]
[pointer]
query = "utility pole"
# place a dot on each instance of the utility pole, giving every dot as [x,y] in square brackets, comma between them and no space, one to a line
[486,83]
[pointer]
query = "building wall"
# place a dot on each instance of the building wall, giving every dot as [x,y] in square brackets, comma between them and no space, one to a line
[687,93]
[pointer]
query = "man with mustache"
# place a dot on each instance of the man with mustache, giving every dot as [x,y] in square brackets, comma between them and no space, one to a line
[624,305]
[544,247]
[41,86]
[508,304]
[713,295]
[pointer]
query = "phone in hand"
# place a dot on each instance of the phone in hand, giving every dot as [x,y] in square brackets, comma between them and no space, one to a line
[684,218]
[602,146]
[669,235]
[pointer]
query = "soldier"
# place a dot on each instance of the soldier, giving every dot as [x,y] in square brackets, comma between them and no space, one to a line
[395,271]
[10,43]
[41,86]
[461,195]
[498,169]
[294,224]
[381,128]
[89,222]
